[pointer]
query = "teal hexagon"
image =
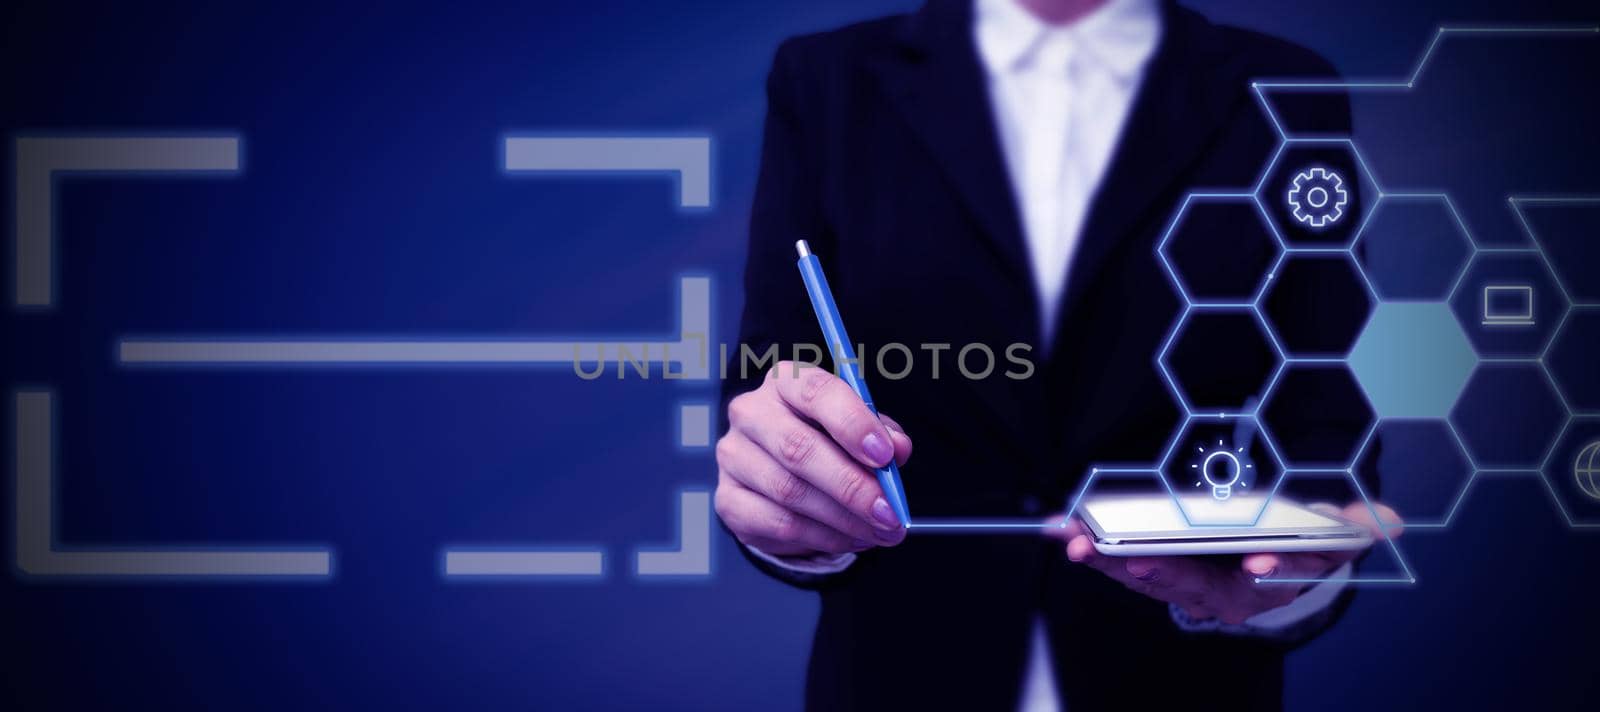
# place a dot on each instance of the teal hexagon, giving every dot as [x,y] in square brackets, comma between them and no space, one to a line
[1412,359]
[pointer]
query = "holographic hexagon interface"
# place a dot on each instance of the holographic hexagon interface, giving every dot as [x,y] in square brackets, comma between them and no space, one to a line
[1573,361]
[1221,469]
[1218,361]
[1317,415]
[1425,473]
[1498,437]
[1510,303]
[1314,188]
[1412,360]
[1317,304]
[1413,247]
[1201,272]
[1411,374]
[1572,472]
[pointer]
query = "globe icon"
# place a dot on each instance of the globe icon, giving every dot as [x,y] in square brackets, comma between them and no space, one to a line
[1586,469]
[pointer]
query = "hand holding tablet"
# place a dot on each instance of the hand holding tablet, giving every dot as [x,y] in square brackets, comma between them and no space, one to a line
[1156,525]
[1225,588]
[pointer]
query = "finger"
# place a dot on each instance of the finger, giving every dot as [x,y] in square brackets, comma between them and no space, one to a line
[1386,523]
[1080,549]
[819,395]
[1261,565]
[902,441]
[1392,521]
[1309,565]
[1162,579]
[1361,513]
[1294,565]
[1174,578]
[756,518]
[1059,526]
[810,454]
[1253,588]
[1326,508]
[1187,582]
[753,468]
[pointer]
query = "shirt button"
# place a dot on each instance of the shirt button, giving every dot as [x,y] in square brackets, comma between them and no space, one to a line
[1030,505]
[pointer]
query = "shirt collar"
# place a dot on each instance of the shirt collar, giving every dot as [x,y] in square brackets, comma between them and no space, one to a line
[1120,36]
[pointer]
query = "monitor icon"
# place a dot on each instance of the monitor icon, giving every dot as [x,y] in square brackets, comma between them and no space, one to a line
[1508,305]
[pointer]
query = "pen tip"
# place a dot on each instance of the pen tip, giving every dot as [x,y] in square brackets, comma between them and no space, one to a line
[801,247]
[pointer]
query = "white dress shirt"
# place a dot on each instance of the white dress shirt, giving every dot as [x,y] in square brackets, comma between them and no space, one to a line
[1060,97]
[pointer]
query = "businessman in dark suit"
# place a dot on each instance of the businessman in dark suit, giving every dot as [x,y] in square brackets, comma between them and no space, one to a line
[997,172]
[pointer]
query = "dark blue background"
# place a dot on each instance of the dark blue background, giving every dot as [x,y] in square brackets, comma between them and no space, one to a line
[372,203]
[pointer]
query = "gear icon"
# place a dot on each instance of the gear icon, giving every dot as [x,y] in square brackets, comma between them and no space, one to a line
[1318,197]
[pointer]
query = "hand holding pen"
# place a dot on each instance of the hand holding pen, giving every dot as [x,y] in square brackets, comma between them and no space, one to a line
[808,466]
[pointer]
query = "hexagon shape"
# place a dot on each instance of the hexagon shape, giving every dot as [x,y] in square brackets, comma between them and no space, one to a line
[1317,415]
[1316,304]
[1509,304]
[1413,247]
[1218,249]
[1572,358]
[1213,462]
[1421,466]
[1313,189]
[1412,360]
[1508,416]
[1217,361]
[1573,471]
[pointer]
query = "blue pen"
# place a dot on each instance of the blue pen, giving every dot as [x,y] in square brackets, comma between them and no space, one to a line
[844,357]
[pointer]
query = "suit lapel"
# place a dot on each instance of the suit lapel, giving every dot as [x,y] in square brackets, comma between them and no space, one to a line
[938,86]
[1176,112]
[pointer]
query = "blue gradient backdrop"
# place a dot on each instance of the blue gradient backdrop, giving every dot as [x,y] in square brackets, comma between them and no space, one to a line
[372,202]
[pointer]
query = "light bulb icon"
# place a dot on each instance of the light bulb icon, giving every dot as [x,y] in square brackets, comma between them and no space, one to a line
[1222,469]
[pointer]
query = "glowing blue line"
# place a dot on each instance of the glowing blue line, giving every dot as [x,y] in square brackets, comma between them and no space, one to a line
[1383,528]
[1272,116]
[1472,240]
[1550,29]
[1427,56]
[1318,250]
[1166,374]
[1538,247]
[1554,199]
[982,526]
[1408,83]
[1357,580]
[1550,378]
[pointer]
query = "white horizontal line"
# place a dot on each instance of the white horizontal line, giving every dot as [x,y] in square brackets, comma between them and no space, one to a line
[318,351]
[524,563]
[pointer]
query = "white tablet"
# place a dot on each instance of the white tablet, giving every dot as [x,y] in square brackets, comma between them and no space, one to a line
[1153,525]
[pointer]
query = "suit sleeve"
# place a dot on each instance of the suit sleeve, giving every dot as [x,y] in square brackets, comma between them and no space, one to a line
[787,207]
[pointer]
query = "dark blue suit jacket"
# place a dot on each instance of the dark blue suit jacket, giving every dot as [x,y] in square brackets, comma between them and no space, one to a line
[880,149]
